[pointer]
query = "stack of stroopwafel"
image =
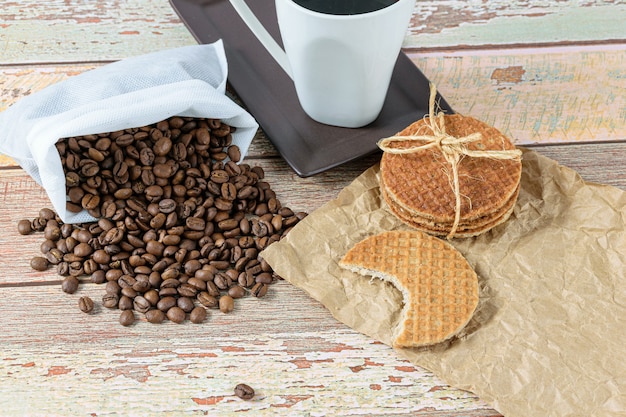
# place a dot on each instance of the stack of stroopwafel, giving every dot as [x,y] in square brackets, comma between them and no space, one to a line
[439,287]
[417,176]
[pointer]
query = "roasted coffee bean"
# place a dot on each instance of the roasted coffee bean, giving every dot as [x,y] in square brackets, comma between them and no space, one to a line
[54,256]
[75,194]
[234,153]
[63,269]
[167,205]
[166,303]
[236,291]
[101,257]
[222,281]
[90,201]
[90,266]
[70,284]
[142,285]
[114,274]
[228,224]
[163,171]
[98,277]
[197,315]
[110,300]
[76,268]
[89,167]
[108,209]
[259,229]
[127,317]
[195,223]
[277,222]
[168,292]
[264,278]
[83,250]
[197,284]
[112,287]
[226,304]
[85,304]
[125,303]
[24,227]
[124,140]
[152,296]
[169,282]
[207,300]
[155,316]
[126,281]
[186,290]
[245,279]
[39,263]
[185,303]
[244,391]
[146,156]
[259,290]
[176,315]
[162,146]
[141,305]
[129,292]
[46,245]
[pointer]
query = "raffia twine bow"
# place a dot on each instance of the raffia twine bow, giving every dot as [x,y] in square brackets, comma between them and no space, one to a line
[453,149]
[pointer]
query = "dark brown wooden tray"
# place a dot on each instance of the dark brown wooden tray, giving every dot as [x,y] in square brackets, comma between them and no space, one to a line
[268,93]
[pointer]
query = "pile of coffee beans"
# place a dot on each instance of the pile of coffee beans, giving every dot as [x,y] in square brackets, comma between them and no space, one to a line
[180,224]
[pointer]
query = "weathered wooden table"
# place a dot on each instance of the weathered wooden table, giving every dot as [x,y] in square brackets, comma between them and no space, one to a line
[548,74]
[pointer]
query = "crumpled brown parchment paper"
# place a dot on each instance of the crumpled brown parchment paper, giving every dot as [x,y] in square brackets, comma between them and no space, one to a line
[549,335]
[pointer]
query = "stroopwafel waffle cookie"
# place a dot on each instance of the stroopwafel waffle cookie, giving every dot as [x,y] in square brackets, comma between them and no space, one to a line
[439,287]
[418,185]
[464,230]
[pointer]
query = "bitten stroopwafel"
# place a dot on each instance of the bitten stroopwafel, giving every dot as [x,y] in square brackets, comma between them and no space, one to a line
[439,286]
[450,175]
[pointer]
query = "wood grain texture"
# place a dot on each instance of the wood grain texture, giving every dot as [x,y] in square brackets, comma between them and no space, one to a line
[459,24]
[111,29]
[69,31]
[17,81]
[548,95]
[299,360]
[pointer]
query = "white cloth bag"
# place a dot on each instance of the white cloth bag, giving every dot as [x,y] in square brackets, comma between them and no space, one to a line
[134,92]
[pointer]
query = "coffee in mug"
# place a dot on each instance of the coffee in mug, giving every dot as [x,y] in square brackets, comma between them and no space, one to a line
[344,7]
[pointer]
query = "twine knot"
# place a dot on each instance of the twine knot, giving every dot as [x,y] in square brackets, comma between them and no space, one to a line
[452,148]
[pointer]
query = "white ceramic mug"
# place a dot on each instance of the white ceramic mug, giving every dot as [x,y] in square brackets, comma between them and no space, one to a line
[341,65]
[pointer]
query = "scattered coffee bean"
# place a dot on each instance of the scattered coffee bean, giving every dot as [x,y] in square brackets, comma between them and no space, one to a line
[259,290]
[39,263]
[155,316]
[236,291]
[24,227]
[227,304]
[197,315]
[125,303]
[141,305]
[70,284]
[85,304]
[176,314]
[127,317]
[110,300]
[181,222]
[244,391]
[207,300]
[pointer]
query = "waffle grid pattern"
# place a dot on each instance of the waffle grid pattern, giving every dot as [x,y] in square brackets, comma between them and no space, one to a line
[439,286]
[417,186]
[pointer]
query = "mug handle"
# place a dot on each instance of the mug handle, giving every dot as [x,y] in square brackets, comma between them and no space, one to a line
[262,34]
